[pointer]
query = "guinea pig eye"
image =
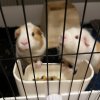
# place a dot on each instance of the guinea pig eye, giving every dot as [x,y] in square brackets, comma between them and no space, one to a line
[32,33]
[76,36]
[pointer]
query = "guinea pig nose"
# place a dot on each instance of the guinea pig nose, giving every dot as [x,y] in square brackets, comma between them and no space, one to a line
[24,42]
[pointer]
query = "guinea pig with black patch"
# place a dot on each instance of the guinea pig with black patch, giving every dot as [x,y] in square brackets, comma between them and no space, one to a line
[71,40]
[37,44]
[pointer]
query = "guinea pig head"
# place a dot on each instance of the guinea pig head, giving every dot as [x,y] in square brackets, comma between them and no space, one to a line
[71,40]
[34,37]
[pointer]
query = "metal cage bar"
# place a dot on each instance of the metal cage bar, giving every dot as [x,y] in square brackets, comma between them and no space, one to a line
[61,55]
[2,95]
[89,63]
[25,20]
[93,86]
[3,70]
[12,49]
[17,2]
[46,13]
[91,58]
[65,13]
[78,46]
[9,58]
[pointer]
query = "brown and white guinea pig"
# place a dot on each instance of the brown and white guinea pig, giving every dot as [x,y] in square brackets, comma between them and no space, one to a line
[37,43]
[71,39]
[56,10]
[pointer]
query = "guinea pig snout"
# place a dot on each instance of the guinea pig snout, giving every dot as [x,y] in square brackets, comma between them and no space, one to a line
[24,42]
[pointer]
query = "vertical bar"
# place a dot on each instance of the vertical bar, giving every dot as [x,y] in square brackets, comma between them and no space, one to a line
[17,2]
[98,97]
[2,95]
[0,62]
[90,61]
[12,49]
[93,86]
[62,45]
[88,66]
[21,80]
[23,7]
[46,12]
[85,5]
[7,80]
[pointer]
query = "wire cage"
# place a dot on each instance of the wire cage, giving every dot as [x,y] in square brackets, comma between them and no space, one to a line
[14,87]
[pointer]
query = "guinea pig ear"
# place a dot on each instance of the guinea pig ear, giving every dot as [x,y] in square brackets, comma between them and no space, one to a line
[17,32]
[86,41]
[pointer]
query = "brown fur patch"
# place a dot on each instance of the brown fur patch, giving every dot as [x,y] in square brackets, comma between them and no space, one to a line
[38,36]
[98,46]
[56,5]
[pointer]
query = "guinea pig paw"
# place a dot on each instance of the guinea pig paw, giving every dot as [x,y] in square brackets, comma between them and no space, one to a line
[38,64]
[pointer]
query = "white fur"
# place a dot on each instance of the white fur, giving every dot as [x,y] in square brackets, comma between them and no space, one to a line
[34,44]
[71,45]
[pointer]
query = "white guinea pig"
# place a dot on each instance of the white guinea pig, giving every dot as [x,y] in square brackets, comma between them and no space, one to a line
[71,39]
[37,43]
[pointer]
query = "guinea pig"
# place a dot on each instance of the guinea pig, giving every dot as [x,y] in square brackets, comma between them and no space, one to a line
[56,10]
[37,43]
[70,46]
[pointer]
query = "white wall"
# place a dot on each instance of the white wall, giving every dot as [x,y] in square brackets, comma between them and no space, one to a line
[92,10]
[14,14]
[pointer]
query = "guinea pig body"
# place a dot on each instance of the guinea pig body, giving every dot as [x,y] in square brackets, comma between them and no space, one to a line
[71,39]
[37,43]
[56,9]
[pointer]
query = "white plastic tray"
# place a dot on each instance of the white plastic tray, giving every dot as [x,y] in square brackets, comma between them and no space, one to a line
[54,69]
